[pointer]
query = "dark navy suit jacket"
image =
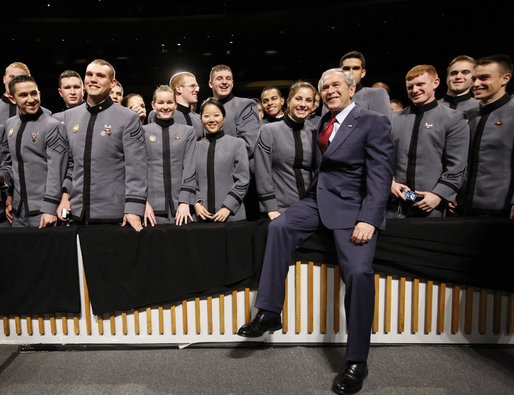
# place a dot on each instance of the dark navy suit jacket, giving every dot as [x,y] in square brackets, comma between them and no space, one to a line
[353,178]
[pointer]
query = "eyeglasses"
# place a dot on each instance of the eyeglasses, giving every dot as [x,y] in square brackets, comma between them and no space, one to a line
[192,86]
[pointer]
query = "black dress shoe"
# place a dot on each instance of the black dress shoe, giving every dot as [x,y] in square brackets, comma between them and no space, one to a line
[258,326]
[351,379]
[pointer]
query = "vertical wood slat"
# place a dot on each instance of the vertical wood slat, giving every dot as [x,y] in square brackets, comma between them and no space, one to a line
[87,308]
[100,325]
[389,284]
[310,295]
[482,311]
[209,314]
[7,330]
[298,300]
[323,298]
[455,308]
[428,306]
[161,320]
[53,327]
[377,302]
[441,308]
[17,324]
[76,326]
[28,320]
[415,306]
[197,316]
[468,313]
[112,324]
[247,305]
[124,326]
[149,320]
[64,319]
[337,290]
[41,324]
[497,311]
[184,317]
[222,314]
[173,320]
[234,311]
[401,306]
[285,310]
[136,322]
[510,315]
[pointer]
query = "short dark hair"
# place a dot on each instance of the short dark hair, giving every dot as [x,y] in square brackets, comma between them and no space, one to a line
[214,102]
[125,100]
[271,87]
[503,60]
[353,54]
[19,79]
[69,74]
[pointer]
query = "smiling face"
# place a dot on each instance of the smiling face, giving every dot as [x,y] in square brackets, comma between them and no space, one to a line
[489,84]
[301,104]
[26,97]
[212,118]
[98,83]
[421,89]
[459,77]
[222,83]
[71,91]
[187,92]
[164,105]
[354,66]
[272,102]
[335,92]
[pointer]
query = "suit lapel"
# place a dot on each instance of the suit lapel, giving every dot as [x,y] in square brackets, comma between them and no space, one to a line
[345,129]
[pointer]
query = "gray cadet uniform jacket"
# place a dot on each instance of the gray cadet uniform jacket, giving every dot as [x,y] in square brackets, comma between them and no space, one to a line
[223,174]
[5,169]
[431,146]
[184,116]
[107,175]
[170,149]
[375,99]
[283,163]
[242,120]
[463,103]
[39,154]
[490,176]
[7,109]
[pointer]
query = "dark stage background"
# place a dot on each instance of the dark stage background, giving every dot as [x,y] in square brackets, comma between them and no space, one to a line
[263,42]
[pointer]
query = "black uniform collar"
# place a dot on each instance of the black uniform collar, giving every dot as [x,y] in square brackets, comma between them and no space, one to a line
[214,136]
[495,104]
[358,87]
[271,119]
[164,123]
[99,107]
[457,99]
[424,107]
[227,99]
[5,99]
[292,124]
[183,108]
[31,117]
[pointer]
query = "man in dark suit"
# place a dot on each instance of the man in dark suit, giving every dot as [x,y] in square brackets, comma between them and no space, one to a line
[348,195]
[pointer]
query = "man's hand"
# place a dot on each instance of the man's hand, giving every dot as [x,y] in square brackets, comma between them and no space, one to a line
[452,206]
[430,201]
[511,216]
[133,220]
[65,203]
[139,110]
[46,220]
[362,233]
[221,215]
[8,208]
[149,215]
[202,212]
[183,214]
[396,190]
[273,214]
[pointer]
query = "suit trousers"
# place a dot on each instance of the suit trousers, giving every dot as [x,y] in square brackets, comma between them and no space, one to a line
[285,234]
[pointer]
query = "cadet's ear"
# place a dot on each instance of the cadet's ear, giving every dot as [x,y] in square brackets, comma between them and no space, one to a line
[11,99]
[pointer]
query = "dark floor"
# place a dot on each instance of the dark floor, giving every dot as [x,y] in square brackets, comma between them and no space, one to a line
[414,369]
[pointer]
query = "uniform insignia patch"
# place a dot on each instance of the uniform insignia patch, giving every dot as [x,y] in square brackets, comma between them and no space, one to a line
[76,128]
[177,137]
[152,138]
[34,136]
[498,123]
[11,131]
[428,125]
[106,131]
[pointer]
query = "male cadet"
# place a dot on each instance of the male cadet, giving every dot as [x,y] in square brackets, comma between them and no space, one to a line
[348,195]
[431,143]
[7,108]
[458,80]
[376,99]
[490,176]
[5,178]
[242,118]
[272,103]
[186,95]
[117,93]
[106,181]
[39,155]
[71,89]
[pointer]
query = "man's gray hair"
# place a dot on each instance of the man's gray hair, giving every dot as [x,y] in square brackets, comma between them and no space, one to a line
[348,77]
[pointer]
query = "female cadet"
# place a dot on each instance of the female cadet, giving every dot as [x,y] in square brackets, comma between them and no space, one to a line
[222,168]
[170,149]
[283,155]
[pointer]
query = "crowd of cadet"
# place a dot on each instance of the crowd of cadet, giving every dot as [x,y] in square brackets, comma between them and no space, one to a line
[106,160]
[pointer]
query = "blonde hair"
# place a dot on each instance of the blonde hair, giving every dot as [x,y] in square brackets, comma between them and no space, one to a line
[299,85]
[163,88]
[179,78]
[112,72]
[18,65]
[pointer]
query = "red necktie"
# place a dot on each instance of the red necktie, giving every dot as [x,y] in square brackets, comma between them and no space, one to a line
[324,136]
